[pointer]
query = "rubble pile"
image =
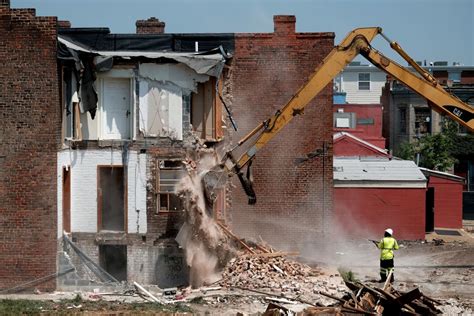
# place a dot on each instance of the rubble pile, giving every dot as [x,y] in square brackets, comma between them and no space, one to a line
[281,275]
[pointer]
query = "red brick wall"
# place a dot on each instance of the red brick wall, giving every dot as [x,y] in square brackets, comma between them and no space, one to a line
[448,202]
[369,133]
[29,139]
[367,212]
[293,200]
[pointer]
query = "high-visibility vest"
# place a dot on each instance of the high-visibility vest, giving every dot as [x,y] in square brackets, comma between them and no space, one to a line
[387,245]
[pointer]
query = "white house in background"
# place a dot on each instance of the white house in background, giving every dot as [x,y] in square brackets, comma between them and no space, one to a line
[359,84]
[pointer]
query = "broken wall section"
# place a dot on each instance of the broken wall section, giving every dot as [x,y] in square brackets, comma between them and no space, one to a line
[139,168]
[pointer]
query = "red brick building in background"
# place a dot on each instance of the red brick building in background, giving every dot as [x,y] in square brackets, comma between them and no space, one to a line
[293,199]
[29,141]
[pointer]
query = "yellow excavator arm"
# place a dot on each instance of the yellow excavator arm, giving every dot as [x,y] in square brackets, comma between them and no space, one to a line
[356,42]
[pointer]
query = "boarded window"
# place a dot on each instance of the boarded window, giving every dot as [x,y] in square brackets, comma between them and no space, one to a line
[170,172]
[115,108]
[111,198]
[364,81]
[161,110]
[206,111]
[345,120]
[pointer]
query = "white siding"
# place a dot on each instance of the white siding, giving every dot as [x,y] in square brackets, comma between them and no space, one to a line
[83,171]
[350,85]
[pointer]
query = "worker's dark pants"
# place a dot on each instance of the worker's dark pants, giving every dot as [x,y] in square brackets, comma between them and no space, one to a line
[385,267]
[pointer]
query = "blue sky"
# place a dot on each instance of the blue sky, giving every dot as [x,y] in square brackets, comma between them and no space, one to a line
[426,29]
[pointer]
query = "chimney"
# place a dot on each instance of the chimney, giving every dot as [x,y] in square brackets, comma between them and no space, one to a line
[150,26]
[63,24]
[284,24]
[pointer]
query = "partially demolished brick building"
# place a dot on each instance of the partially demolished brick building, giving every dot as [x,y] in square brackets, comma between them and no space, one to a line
[96,126]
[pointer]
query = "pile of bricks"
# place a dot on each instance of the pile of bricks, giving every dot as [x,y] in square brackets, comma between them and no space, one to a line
[279,275]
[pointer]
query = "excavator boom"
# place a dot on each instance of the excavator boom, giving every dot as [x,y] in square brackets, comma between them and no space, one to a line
[355,43]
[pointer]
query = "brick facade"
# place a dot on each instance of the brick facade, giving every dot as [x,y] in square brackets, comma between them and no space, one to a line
[367,212]
[447,202]
[293,200]
[29,138]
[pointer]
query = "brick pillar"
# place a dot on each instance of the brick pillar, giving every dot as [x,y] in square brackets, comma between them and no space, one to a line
[284,24]
[150,26]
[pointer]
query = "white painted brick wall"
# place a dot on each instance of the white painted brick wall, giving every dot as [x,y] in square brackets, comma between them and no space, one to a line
[83,172]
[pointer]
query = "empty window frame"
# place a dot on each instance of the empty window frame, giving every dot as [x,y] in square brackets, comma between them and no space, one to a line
[206,111]
[364,81]
[111,198]
[169,174]
[71,114]
[422,121]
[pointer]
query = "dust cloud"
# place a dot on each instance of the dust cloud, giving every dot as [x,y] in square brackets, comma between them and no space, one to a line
[206,247]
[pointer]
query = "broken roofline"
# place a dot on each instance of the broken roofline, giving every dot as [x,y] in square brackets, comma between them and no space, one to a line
[208,63]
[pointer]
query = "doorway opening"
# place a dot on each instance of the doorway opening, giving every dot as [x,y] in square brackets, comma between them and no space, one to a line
[113,259]
[67,199]
[429,225]
[111,198]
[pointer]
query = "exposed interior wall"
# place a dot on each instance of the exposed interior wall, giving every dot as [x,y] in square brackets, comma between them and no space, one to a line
[29,138]
[367,212]
[83,171]
[293,199]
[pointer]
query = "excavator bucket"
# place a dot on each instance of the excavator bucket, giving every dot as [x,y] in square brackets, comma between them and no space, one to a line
[216,178]
[212,181]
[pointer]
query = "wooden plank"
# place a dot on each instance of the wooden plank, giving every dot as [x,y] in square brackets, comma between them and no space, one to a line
[227,231]
[408,297]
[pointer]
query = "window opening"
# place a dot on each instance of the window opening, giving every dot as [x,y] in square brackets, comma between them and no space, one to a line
[364,81]
[170,172]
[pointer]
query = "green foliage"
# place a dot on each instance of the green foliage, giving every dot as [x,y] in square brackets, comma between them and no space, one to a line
[406,151]
[436,152]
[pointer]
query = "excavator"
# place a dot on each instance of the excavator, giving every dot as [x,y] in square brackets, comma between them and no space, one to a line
[355,43]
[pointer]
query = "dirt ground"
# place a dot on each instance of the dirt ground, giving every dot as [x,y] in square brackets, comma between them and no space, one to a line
[442,267]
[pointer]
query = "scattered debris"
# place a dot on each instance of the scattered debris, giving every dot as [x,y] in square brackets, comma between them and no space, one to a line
[387,300]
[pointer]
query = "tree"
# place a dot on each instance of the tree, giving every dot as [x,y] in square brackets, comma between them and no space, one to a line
[435,151]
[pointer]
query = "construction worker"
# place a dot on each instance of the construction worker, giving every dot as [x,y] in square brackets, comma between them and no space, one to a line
[387,245]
